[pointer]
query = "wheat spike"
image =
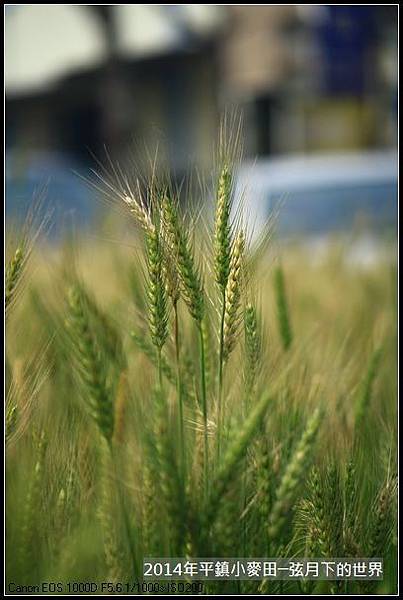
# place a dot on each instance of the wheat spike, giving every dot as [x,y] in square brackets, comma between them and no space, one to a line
[233,295]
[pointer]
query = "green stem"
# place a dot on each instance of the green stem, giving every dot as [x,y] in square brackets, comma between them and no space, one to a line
[125,517]
[220,377]
[204,403]
[179,386]
[159,369]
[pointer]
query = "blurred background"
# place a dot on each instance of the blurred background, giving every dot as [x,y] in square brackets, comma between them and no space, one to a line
[317,86]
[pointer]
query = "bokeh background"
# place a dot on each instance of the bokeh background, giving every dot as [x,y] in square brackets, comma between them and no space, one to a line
[317,86]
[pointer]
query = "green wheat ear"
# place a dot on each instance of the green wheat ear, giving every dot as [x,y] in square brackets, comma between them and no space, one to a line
[14,271]
[292,479]
[222,228]
[11,420]
[109,336]
[156,291]
[327,510]
[35,223]
[89,364]
[283,316]
[192,287]
[382,526]
[232,457]
[365,391]
[252,348]
[383,521]
[233,295]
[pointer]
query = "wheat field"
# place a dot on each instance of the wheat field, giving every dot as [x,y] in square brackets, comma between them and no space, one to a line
[196,392]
